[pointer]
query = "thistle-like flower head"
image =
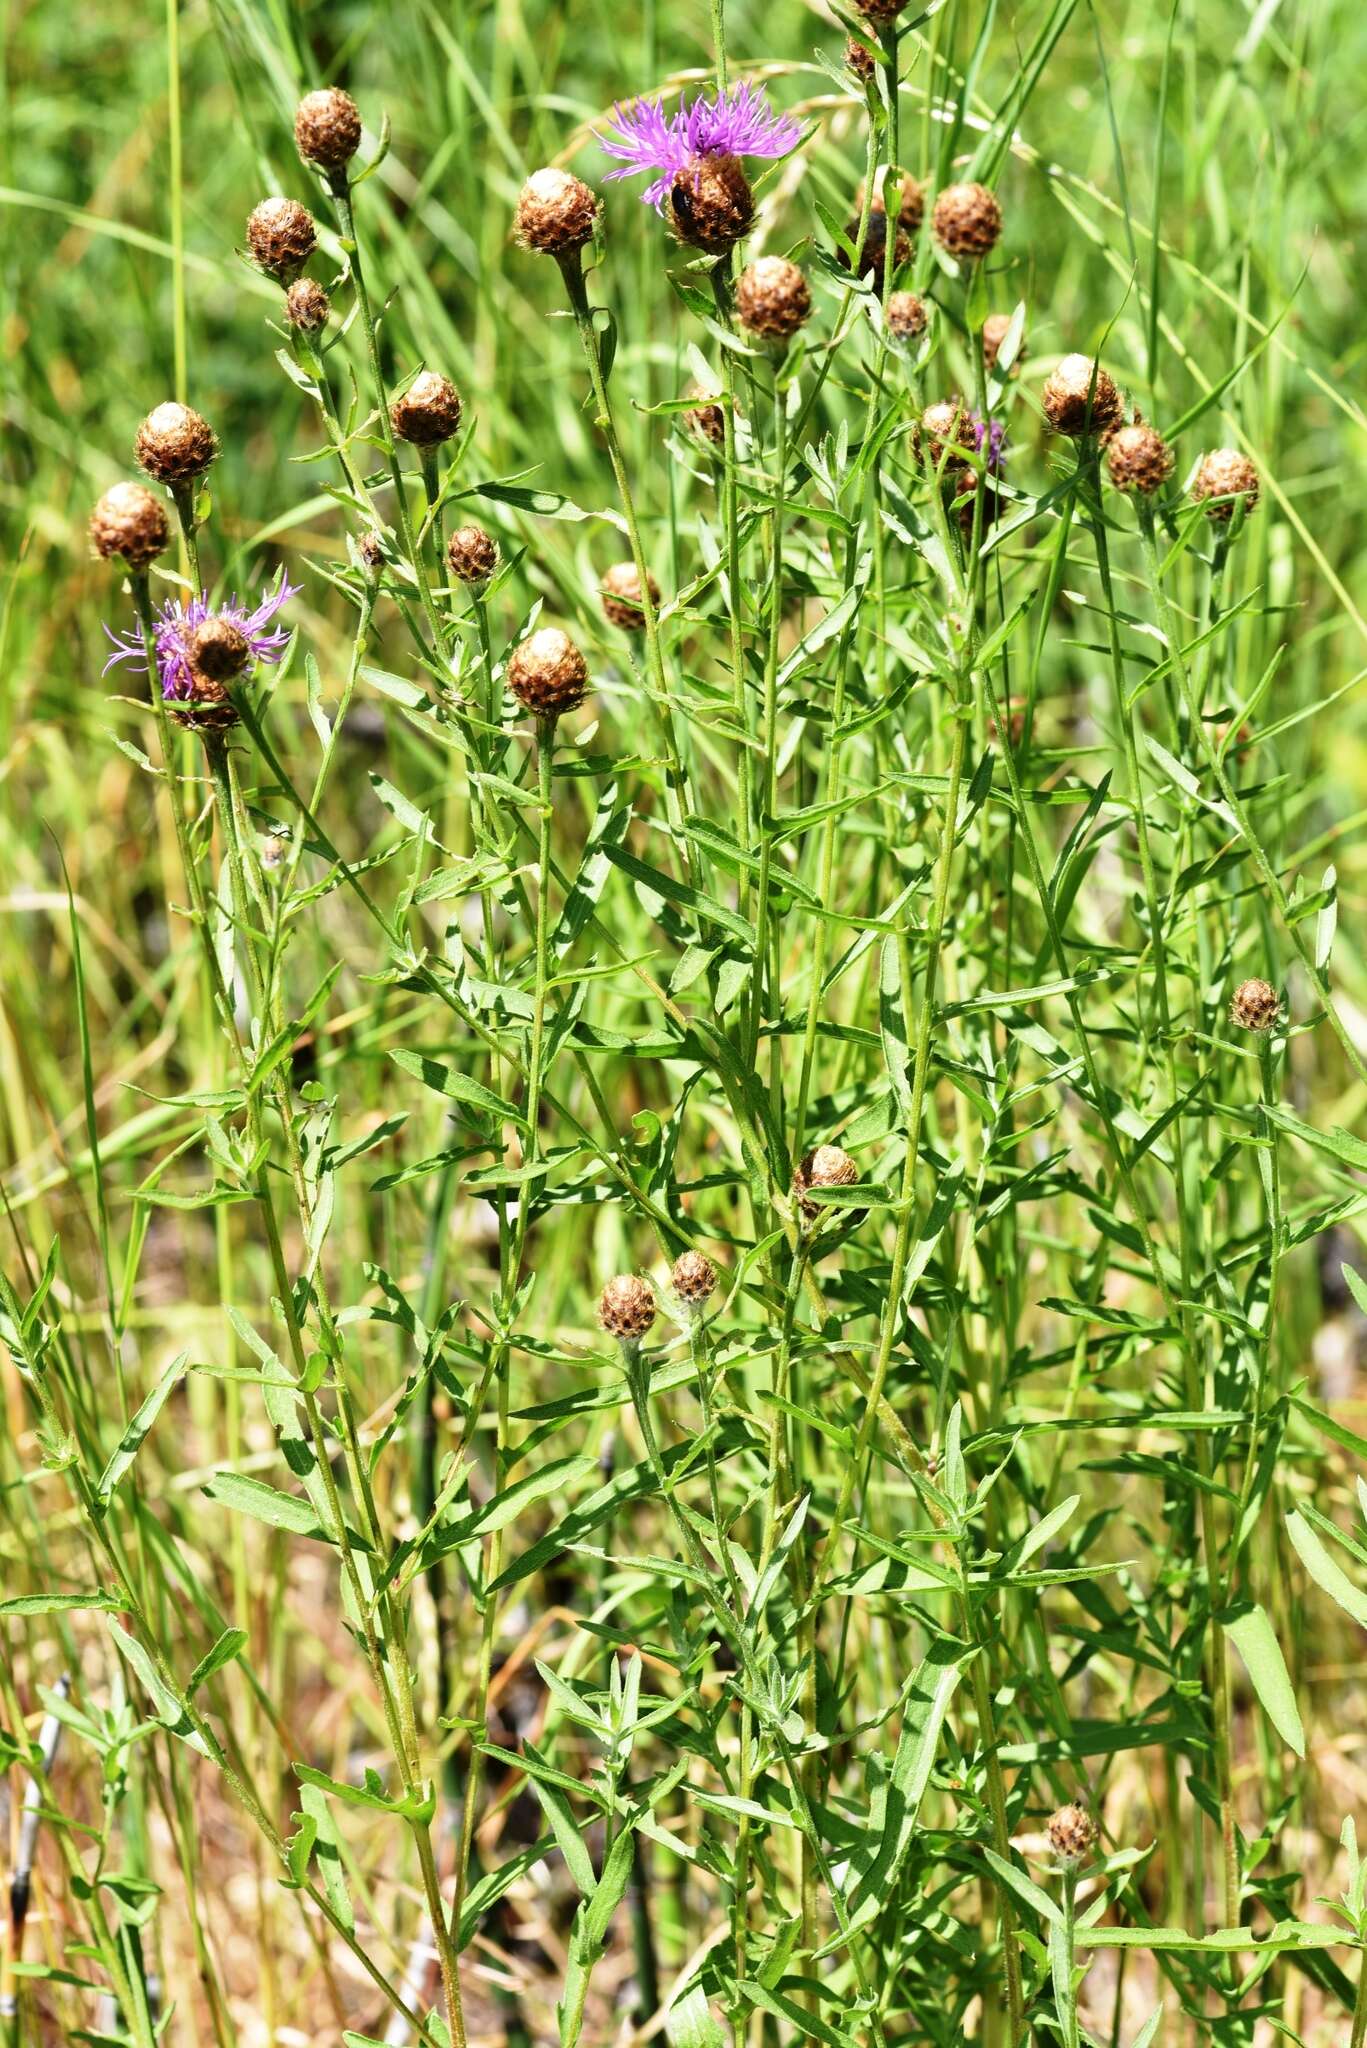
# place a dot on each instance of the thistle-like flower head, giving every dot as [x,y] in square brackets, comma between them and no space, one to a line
[177,623]
[739,122]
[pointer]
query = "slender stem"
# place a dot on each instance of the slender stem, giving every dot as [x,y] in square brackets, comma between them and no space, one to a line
[731,536]
[1234,802]
[891,1320]
[1359,2034]
[571,268]
[769,800]
[1068,1997]
[996,1806]
[545,771]
[183,496]
[340,189]
[431,485]
[719,42]
[390,1675]
[176,181]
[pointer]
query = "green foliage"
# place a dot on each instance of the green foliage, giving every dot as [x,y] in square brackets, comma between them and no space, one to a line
[383,1641]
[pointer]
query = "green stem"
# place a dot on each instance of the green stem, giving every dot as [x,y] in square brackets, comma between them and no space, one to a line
[1234,803]
[1067,1996]
[731,537]
[183,497]
[571,269]
[176,182]
[893,1307]
[391,1675]
[769,802]
[1359,2034]
[340,189]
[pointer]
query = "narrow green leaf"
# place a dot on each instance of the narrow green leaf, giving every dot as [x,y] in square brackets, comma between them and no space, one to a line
[1253,1637]
[1323,1570]
[459,1087]
[138,1428]
[229,1646]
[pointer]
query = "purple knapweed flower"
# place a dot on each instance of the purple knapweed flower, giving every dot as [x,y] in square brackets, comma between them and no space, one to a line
[989,438]
[735,123]
[177,621]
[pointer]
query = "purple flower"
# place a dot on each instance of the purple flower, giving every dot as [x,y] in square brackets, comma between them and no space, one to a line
[990,434]
[735,123]
[175,623]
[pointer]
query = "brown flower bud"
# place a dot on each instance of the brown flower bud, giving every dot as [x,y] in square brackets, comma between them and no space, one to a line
[825,1167]
[307,306]
[772,298]
[370,548]
[1073,405]
[1224,478]
[621,594]
[547,674]
[1256,1006]
[472,554]
[281,237]
[906,316]
[556,212]
[1138,458]
[327,128]
[711,204]
[694,1278]
[880,10]
[995,330]
[175,444]
[945,424]
[873,256]
[912,210]
[626,1307]
[969,484]
[129,521]
[218,650]
[217,653]
[706,419]
[209,708]
[859,59]
[428,412]
[1072,1831]
[967,220]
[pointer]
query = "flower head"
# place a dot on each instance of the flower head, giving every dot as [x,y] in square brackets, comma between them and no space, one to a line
[736,123]
[281,237]
[1256,1006]
[1072,1832]
[327,128]
[623,603]
[547,673]
[129,521]
[826,1166]
[1222,480]
[174,444]
[556,212]
[626,1307]
[772,298]
[177,625]
[1138,458]
[1081,398]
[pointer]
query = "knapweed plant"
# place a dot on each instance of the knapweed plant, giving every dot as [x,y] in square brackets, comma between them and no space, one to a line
[685,1032]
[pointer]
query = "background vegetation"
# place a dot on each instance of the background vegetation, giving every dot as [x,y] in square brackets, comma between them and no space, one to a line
[714,1695]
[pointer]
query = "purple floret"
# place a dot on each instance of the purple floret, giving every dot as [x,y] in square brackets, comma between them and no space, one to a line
[177,621]
[739,122]
[992,433]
